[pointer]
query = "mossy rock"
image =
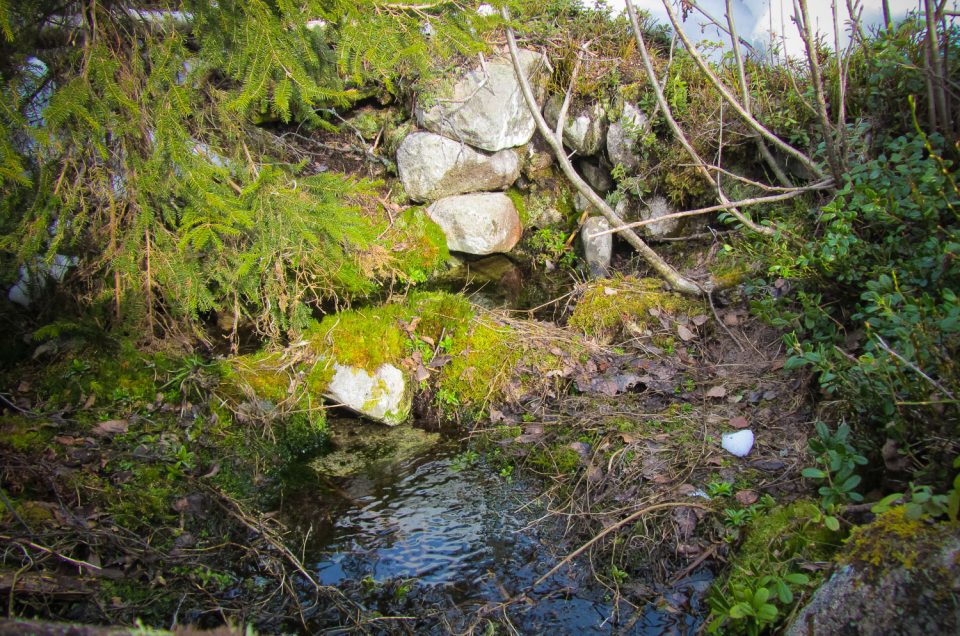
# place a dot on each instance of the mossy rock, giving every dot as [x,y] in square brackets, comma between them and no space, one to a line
[897,576]
[504,362]
[370,338]
[608,305]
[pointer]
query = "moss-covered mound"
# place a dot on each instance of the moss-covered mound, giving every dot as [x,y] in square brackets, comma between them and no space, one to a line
[608,307]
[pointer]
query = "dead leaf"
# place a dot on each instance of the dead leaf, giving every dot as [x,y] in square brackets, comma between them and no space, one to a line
[422,374]
[90,401]
[685,334]
[777,364]
[699,320]
[717,392]
[111,427]
[439,360]
[430,341]
[747,497]
[609,291]
[731,319]
[739,422]
[66,440]
[630,438]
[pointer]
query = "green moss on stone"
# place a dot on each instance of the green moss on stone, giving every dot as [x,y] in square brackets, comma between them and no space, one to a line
[609,304]
[370,338]
[483,363]
[892,539]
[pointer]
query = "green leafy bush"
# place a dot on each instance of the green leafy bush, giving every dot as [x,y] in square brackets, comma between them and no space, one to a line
[875,312]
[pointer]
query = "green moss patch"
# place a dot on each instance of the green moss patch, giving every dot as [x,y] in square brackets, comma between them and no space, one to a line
[893,539]
[609,304]
[369,338]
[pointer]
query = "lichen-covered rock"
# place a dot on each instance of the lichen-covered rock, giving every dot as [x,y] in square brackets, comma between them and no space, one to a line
[586,126]
[384,395]
[432,167]
[622,135]
[899,576]
[483,223]
[485,107]
[597,250]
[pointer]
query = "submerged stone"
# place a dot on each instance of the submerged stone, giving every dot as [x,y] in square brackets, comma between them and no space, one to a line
[359,447]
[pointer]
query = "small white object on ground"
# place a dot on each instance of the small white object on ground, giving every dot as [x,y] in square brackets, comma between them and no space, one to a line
[738,443]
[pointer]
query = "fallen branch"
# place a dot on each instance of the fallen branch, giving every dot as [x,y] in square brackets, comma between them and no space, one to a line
[724,206]
[676,280]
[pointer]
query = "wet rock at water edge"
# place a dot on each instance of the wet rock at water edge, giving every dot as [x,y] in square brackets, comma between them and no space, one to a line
[622,135]
[585,129]
[485,108]
[432,167]
[483,223]
[597,250]
[384,395]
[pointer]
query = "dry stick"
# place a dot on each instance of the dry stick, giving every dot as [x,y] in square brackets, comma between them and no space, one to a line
[822,185]
[749,119]
[628,519]
[675,127]
[745,94]
[842,70]
[664,269]
[939,73]
[801,18]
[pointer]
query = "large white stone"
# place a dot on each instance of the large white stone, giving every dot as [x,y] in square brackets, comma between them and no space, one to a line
[481,223]
[432,167]
[485,107]
[585,128]
[384,396]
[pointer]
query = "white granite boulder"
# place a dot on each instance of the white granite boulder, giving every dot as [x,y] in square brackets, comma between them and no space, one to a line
[622,136]
[384,395]
[485,108]
[480,223]
[432,167]
[597,250]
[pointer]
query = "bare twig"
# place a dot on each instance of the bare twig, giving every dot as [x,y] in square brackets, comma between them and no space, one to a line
[616,526]
[749,119]
[801,18]
[724,206]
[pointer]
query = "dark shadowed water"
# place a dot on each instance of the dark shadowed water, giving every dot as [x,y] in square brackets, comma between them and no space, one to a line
[437,533]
